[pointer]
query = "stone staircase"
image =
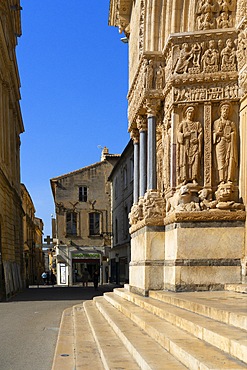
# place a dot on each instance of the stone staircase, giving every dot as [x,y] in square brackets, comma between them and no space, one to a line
[122,330]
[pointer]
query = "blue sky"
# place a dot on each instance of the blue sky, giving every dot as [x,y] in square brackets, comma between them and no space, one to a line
[73,71]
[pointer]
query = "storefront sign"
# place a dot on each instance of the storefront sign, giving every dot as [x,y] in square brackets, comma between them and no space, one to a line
[85,255]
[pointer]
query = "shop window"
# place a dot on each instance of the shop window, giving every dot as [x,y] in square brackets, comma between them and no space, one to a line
[71,223]
[94,223]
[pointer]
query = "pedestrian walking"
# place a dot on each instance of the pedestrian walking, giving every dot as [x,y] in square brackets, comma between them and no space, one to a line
[85,277]
[96,279]
[44,277]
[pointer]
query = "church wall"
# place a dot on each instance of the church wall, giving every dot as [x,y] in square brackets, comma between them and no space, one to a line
[187,102]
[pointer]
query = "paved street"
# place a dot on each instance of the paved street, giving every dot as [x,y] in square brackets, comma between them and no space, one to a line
[29,325]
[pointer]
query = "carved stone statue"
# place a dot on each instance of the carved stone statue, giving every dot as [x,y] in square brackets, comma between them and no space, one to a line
[224,20]
[153,205]
[206,22]
[210,58]
[184,58]
[190,147]
[159,81]
[149,75]
[228,55]
[224,139]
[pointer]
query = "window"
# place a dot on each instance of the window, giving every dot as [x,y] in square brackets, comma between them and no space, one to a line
[116,231]
[71,223]
[116,188]
[94,223]
[131,168]
[125,177]
[82,194]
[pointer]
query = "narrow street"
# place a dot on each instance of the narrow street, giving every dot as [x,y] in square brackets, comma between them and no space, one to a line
[29,325]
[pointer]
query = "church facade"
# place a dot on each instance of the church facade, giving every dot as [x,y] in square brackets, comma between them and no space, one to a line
[187,113]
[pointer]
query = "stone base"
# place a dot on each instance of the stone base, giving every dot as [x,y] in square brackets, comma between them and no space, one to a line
[188,255]
[147,260]
[203,255]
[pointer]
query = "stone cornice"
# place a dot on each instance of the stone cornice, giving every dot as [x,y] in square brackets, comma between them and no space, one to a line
[202,216]
[119,15]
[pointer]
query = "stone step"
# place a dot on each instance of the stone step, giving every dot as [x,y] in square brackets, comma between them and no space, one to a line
[227,307]
[64,358]
[227,338]
[149,354]
[114,354]
[194,353]
[86,349]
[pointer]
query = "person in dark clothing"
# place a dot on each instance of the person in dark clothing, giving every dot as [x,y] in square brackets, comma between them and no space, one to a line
[96,279]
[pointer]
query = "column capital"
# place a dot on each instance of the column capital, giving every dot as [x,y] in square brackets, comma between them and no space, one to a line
[152,106]
[134,134]
[141,122]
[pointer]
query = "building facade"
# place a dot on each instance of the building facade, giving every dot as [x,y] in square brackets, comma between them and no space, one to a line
[83,220]
[121,179]
[32,235]
[187,112]
[11,126]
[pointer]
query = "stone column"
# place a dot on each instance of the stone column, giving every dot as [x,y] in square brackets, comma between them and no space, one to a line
[152,106]
[135,137]
[142,127]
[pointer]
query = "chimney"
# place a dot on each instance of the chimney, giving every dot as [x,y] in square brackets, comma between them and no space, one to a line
[104,153]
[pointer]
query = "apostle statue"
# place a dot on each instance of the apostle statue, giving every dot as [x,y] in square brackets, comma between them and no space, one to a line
[225,141]
[190,148]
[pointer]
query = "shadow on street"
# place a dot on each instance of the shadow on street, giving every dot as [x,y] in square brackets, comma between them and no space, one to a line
[50,293]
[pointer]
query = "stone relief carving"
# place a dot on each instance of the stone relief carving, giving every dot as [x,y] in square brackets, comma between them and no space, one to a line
[160,156]
[136,213]
[219,92]
[153,206]
[185,199]
[167,153]
[242,49]
[228,57]
[60,208]
[211,14]
[159,78]
[208,57]
[241,10]
[141,26]
[243,82]
[189,138]
[184,58]
[149,74]
[224,140]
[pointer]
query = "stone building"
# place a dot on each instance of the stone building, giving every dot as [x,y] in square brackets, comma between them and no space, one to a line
[83,220]
[121,179]
[32,235]
[187,113]
[11,126]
